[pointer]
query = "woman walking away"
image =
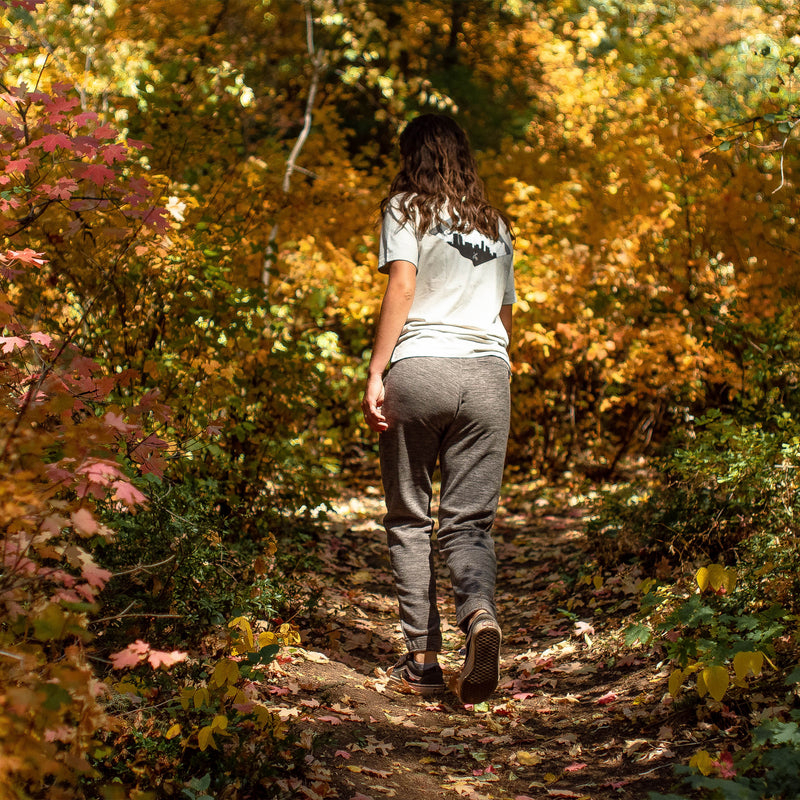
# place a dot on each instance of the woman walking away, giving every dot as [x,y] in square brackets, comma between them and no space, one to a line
[445,325]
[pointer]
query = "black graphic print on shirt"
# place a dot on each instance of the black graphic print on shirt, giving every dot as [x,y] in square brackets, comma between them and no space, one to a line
[477,251]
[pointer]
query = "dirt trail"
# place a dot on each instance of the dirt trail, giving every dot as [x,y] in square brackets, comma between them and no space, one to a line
[576,714]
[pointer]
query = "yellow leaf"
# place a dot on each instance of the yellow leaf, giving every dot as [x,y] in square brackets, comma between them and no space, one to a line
[226,671]
[268,637]
[716,680]
[201,697]
[716,575]
[702,689]
[205,738]
[235,695]
[528,758]
[244,626]
[174,731]
[264,716]
[702,760]
[730,580]
[597,580]
[675,681]
[647,585]
[746,662]
[702,578]
[219,723]
[361,576]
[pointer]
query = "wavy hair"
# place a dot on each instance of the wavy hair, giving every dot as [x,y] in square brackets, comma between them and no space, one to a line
[439,181]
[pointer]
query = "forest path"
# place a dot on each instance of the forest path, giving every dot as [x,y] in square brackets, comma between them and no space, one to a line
[576,714]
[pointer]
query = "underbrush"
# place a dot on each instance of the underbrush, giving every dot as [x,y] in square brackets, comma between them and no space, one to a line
[205,728]
[193,558]
[196,570]
[718,530]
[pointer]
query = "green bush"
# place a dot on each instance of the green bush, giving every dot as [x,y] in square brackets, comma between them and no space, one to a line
[768,769]
[194,557]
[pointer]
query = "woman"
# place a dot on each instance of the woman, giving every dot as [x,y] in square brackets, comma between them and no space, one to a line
[445,325]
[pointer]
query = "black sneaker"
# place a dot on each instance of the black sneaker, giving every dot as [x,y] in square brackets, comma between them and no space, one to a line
[408,676]
[481,670]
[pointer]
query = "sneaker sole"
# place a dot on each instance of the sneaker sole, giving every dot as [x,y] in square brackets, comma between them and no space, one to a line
[404,687]
[481,671]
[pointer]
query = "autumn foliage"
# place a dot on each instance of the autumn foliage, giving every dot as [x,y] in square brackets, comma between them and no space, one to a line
[188,200]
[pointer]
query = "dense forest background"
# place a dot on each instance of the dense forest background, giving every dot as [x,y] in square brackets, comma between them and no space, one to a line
[189,197]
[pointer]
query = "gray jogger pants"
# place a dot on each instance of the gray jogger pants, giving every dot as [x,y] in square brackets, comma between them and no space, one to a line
[455,410]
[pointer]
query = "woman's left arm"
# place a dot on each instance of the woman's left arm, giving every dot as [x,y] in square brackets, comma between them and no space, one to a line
[506,314]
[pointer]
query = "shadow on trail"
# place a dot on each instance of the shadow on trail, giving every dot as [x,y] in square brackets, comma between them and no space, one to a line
[576,714]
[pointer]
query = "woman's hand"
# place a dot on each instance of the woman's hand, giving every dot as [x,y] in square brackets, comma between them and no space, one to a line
[372,404]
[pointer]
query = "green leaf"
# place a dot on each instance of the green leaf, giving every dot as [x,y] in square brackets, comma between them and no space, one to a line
[637,633]
[726,145]
[793,676]
[201,784]
[57,696]
[264,655]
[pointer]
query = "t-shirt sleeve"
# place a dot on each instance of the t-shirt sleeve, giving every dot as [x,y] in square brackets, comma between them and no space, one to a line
[398,241]
[510,294]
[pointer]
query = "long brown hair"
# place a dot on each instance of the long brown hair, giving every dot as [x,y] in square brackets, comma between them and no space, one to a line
[439,179]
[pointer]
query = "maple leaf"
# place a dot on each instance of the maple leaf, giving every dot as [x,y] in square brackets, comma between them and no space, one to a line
[56,106]
[724,765]
[126,492]
[10,342]
[98,174]
[94,575]
[84,522]
[84,118]
[130,656]
[157,219]
[51,141]
[105,132]
[18,165]
[43,339]
[63,189]
[114,153]
[98,470]
[159,658]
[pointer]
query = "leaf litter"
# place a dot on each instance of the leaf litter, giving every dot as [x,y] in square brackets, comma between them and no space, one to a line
[576,714]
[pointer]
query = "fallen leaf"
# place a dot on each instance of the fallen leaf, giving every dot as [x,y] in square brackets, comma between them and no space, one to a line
[608,697]
[528,758]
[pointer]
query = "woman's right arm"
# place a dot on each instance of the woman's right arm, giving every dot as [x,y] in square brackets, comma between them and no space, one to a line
[394,313]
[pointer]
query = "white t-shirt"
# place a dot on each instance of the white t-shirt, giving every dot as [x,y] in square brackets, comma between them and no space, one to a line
[462,281]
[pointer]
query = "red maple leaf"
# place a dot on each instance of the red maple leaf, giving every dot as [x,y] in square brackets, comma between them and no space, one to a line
[51,141]
[99,174]
[114,152]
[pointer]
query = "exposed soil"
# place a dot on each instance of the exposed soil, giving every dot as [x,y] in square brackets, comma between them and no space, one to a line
[577,713]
